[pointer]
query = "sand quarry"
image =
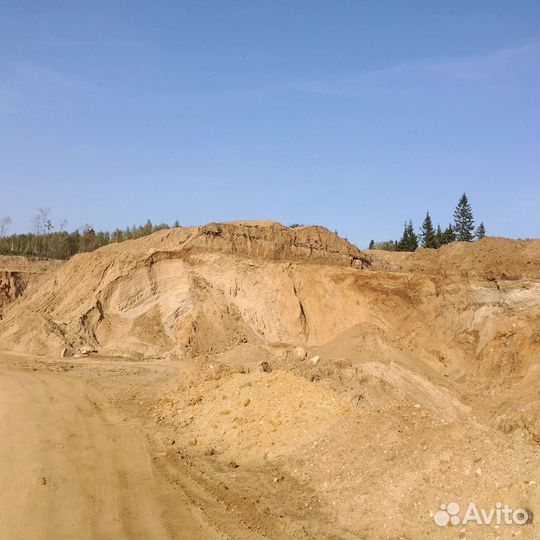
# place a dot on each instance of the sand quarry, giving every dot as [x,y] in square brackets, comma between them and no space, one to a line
[249,380]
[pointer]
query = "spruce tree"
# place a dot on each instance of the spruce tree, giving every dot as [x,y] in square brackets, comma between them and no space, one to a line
[409,240]
[463,220]
[449,235]
[480,231]
[427,233]
[413,239]
[439,236]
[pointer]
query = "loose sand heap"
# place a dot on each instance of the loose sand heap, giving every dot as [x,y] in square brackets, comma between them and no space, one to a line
[348,393]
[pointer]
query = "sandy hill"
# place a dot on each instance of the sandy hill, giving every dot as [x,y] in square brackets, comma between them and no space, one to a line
[182,290]
[208,289]
[369,384]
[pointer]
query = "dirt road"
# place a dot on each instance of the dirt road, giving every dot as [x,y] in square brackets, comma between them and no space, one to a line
[74,466]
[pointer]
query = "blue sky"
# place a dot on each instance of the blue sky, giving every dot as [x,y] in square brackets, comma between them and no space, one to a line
[355,115]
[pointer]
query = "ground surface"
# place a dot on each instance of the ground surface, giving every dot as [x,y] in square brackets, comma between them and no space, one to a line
[77,459]
[85,453]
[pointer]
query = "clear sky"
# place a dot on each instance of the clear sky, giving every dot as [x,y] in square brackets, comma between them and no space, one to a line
[355,115]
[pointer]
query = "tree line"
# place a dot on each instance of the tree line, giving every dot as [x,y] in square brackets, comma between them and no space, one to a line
[462,230]
[51,240]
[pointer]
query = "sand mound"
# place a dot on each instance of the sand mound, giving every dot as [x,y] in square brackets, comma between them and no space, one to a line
[489,258]
[202,289]
[353,467]
[245,417]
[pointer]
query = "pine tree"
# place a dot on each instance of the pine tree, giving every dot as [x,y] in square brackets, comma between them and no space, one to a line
[463,220]
[480,231]
[372,244]
[427,233]
[449,235]
[409,240]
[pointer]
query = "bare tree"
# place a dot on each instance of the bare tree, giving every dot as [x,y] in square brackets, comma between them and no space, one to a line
[62,225]
[5,222]
[41,223]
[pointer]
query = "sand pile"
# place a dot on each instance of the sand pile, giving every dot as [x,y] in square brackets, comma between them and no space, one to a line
[373,467]
[489,258]
[384,472]
[200,289]
[250,418]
